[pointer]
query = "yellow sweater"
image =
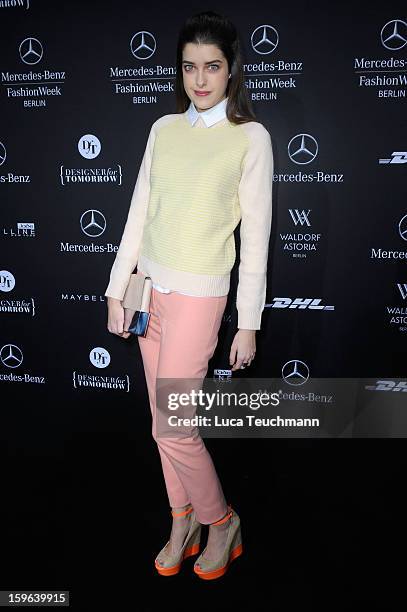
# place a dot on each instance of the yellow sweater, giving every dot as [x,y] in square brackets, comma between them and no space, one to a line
[194,186]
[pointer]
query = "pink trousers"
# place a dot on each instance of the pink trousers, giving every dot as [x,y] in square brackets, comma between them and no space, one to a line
[181,338]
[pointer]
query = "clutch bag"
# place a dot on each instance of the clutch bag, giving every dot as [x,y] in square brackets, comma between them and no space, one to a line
[136,301]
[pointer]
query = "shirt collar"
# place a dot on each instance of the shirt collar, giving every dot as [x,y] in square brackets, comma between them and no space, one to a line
[209,116]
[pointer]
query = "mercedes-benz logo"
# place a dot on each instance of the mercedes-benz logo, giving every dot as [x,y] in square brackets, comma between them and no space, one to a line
[89,146]
[11,356]
[403,227]
[99,357]
[93,223]
[143,45]
[3,153]
[295,372]
[31,50]
[394,34]
[302,149]
[7,281]
[264,39]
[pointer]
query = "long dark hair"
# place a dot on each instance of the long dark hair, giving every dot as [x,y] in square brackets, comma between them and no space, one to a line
[210,28]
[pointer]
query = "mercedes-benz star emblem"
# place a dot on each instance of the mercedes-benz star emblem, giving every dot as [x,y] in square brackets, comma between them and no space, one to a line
[403,227]
[31,51]
[302,149]
[394,34]
[143,45]
[93,223]
[11,356]
[295,372]
[3,153]
[264,39]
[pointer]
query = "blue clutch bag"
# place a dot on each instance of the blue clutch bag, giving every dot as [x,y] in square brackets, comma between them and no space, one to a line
[136,303]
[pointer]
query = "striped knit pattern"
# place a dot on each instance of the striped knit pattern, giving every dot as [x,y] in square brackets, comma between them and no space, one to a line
[190,220]
[194,185]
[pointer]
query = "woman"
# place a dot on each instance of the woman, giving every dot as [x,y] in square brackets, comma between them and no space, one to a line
[205,168]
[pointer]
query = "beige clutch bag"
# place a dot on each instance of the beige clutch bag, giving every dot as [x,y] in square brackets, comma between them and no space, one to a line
[137,299]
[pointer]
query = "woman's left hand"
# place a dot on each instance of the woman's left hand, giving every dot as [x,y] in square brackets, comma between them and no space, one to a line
[243,348]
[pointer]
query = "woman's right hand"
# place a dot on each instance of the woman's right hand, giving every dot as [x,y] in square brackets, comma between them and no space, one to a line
[115,319]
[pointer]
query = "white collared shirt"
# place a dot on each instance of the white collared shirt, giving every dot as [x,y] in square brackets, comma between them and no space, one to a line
[210,117]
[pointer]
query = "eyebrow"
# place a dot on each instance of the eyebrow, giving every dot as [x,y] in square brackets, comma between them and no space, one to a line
[212,62]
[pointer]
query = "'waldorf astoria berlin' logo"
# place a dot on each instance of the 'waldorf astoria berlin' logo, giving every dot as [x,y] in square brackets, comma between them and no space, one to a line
[302,243]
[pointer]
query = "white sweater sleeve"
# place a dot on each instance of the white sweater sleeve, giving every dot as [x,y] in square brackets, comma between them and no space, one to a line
[128,251]
[255,198]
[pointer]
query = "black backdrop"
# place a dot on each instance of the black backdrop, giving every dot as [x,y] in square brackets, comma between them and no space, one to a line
[56,255]
[76,148]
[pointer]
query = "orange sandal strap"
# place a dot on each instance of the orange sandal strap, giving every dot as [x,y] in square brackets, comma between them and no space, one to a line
[225,518]
[188,511]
